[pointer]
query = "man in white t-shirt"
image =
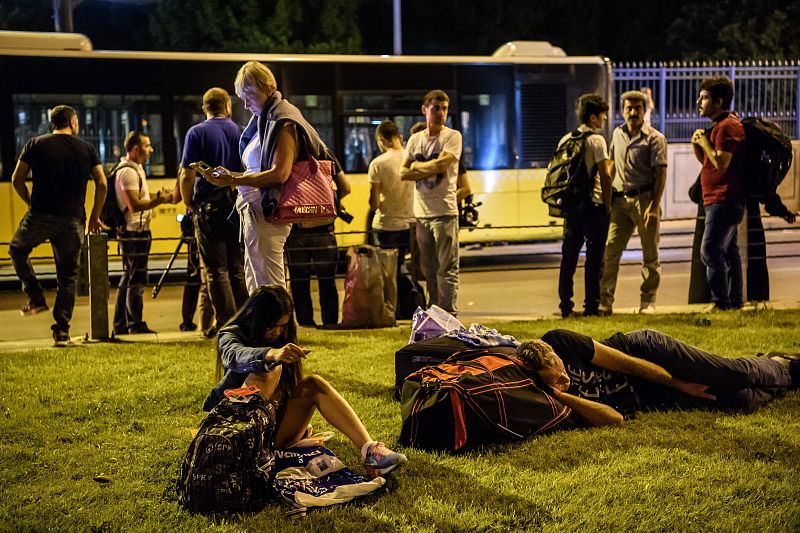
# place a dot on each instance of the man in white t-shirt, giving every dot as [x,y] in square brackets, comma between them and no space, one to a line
[432,162]
[391,198]
[587,221]
[133,199]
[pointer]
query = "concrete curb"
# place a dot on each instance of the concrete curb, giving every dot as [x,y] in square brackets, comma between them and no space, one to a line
[195,336]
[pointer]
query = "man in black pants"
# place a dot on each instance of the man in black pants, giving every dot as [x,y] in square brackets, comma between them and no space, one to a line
[133,199]
[606,382]
[587,221]
[215,141]
[314,251]
[60,165]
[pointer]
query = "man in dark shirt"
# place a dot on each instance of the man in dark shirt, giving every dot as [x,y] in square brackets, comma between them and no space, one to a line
[605,382]
[60,165]
[216,142]
[722,154]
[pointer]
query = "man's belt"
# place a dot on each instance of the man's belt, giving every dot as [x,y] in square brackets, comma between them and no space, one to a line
[632,193]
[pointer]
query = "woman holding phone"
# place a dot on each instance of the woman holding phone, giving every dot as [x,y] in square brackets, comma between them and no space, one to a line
[276,137]
[259,347]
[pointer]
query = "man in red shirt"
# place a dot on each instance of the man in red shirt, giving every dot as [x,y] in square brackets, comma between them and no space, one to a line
[721,151]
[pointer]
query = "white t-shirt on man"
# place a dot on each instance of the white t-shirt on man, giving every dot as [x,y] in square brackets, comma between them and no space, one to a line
[397,197]
[435,196]
[134,182]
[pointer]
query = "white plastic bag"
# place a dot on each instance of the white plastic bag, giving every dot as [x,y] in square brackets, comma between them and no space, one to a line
[432,322]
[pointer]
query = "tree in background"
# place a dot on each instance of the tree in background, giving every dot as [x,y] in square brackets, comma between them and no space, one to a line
[279,26]
[737,29]
[26,15]
[624,30]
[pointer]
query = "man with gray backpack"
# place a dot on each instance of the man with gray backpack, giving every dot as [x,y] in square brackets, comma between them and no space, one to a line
[578,189]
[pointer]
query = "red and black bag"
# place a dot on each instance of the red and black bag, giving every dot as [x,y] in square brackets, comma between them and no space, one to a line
[429,352]
[475,397]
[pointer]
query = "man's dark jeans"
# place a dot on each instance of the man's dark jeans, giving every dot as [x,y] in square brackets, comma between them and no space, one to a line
[400,240]
[738,383]
[135,247]
[223,258]
[584,223]
[66,238]
[313,252]
[721,255]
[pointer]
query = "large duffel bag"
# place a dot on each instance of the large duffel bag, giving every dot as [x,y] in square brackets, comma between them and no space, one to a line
[473,398]
[433,351]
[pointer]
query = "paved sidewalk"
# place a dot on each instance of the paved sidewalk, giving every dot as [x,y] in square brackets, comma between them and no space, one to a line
[485,297]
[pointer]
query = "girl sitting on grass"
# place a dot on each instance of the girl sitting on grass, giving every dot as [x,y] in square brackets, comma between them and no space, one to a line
[259,347]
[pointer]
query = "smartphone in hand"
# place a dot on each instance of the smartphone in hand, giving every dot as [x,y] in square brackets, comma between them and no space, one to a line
[204,169]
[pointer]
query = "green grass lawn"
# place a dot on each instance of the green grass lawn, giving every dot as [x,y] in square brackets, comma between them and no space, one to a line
[126,411]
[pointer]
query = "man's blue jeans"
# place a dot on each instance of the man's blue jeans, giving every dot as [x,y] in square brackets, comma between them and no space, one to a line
[721,255]
[66,238]
[585,223]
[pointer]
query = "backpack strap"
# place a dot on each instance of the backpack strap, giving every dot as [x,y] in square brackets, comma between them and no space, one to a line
[120,166]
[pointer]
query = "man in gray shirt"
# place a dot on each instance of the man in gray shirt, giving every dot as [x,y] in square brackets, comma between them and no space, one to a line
[639,170]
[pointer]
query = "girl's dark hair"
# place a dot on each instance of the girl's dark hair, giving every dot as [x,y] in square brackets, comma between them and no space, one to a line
[262,310]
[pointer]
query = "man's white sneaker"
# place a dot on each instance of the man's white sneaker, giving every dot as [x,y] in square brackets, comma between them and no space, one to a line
[648,309]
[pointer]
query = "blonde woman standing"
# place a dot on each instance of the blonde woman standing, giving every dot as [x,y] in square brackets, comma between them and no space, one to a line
[275,138]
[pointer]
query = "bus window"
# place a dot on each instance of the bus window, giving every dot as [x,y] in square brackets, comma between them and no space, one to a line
[484,130]
[317,109]
[188,111]
[359,138]
[359,144]
[105,120]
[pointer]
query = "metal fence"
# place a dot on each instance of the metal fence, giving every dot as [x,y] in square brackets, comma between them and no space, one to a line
[767,89]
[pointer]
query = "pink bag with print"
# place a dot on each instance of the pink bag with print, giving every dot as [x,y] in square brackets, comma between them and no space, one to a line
[307,196]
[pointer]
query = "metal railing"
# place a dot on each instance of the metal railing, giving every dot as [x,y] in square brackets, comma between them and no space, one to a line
[766,89]
[158,260]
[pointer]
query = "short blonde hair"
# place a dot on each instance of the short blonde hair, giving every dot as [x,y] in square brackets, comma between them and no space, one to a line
[255,76]
[537,354]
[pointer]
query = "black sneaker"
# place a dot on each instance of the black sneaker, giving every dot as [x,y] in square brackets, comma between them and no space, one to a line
[141,329]
[61,339]
[191,326]
[33,308]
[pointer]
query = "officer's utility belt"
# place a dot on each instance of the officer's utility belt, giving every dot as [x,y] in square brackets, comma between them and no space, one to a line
[632,193]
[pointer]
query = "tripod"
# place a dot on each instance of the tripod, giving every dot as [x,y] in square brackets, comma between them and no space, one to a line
[157,288]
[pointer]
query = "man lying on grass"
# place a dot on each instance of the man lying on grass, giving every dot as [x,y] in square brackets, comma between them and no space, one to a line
[605,382]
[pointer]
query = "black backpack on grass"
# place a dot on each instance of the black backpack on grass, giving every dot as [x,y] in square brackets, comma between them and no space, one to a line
[568,182]
[768,156]
[111,215]
[230,461]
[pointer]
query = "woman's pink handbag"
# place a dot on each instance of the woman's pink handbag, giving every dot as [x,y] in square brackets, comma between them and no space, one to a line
[307,196]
